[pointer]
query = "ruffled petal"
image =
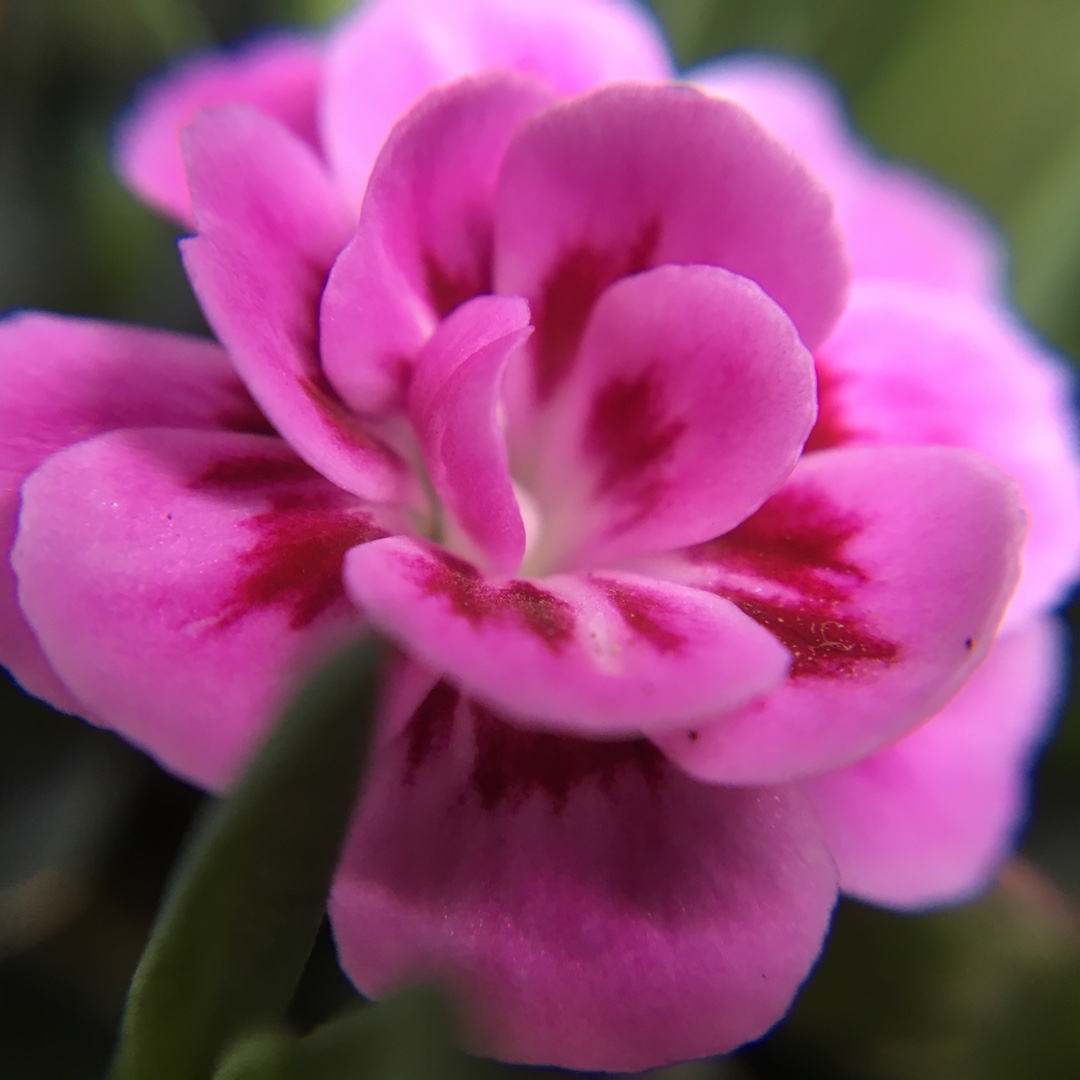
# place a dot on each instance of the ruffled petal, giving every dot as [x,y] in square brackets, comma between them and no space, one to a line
[454,407]
[899,225]
[391,52]
[270,225]
[564,889]
[279,76]
[929,820]
[206,575]
[688,405]
[66,380]
[423,244]
[911,366]
[885,572]
[631,177]
[611,654]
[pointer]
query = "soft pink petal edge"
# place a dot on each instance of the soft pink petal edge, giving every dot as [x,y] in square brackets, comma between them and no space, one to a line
[928,820]
[278,75]
[68,379]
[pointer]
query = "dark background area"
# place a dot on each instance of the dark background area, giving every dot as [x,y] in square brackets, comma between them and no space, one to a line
[985,94]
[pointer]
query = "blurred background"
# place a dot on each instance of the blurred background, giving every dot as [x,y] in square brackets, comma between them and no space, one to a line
[985,94]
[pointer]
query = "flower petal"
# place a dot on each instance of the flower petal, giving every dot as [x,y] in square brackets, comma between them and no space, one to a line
[278,75]
[929,819]
[270,225]
[899,225]
[66,380]
[885,571]
[393,51]
[454,406]
[563,888]
[423,244]
[631,177]
[688,406]
[205,577]
[912,366]
[611,654]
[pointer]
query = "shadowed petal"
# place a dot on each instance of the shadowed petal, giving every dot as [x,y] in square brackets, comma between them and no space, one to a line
[454,406]
[885,572]
[205,576]
[604,653]
[423,244]
[393,51]
[270,225]
[563,888]
[929,819]
[279,76]
[68,379]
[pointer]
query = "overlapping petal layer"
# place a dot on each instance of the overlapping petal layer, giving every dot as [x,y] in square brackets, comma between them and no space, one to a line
[899,225]
[66,380]
[279,76]
[270,225]
[424,240]
[912,366]
[550,881]
[180,582]
[688,404]
[606,654]
[886,572]
[928,820]
[391,52]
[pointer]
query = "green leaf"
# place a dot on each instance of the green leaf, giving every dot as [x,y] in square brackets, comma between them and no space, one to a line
[407,1037]
[240,919]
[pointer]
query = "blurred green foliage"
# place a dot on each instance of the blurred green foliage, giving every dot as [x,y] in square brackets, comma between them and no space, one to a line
[982,93]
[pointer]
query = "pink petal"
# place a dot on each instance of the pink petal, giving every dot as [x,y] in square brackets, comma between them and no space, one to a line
[278,76]
[393,51]
[423,244]
[66,380]
[930,819]
[631,177]
[589,905]
[611,654]
[454,405]
[180,582]
[688,405]
[885,571]
[899,225]
[911,366]
[270,225]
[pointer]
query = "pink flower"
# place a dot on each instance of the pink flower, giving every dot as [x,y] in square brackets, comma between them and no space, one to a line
[527,387]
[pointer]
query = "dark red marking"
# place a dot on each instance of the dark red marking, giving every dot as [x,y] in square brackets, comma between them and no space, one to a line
[567,298]
[253,471]
[643,614]
[301,538]
[798,540]
[630,432]
[447,290]
[823,641]
[428,732]
[296,561]
[246,416]
[475,599]
[512,764]
[831,428]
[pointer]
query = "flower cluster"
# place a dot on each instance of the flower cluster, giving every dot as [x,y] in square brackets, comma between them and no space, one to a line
[686,452]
